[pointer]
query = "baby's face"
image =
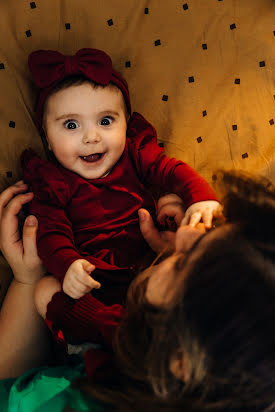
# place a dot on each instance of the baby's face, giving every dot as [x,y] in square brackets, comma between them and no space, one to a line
[86,128]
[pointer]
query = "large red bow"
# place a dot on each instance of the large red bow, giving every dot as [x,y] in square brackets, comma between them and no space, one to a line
[50,67]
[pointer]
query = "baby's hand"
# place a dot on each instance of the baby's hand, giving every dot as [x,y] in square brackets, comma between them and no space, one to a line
[204,211]
[77,281]
[170,206]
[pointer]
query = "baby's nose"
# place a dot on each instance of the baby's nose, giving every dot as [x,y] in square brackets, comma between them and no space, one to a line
[91,136]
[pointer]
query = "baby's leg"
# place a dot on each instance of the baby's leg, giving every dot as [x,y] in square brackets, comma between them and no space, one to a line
[44,291]
[81,320]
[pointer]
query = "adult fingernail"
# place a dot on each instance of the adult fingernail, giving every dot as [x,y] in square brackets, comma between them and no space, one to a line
[142,215]
[30,221]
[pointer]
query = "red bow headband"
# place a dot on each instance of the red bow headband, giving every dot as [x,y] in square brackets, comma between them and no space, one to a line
[49,68]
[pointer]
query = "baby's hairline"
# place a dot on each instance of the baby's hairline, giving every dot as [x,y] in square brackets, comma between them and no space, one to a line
[75,81]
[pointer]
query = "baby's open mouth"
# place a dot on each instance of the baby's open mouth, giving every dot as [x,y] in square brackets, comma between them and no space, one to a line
[92,157]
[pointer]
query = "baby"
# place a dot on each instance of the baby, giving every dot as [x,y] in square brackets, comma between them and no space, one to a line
[104,158]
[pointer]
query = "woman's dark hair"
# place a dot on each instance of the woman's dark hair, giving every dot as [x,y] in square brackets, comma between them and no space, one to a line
[221,320]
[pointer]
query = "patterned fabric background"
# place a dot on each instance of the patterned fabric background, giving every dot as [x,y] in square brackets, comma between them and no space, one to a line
[201,71]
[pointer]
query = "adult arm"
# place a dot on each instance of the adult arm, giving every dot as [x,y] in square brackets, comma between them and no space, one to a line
[24,338]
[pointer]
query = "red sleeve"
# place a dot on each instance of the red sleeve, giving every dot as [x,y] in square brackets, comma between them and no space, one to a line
[154,167]
[55,242]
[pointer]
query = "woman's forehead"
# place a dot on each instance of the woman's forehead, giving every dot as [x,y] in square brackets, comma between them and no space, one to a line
[187,259]
[166,280]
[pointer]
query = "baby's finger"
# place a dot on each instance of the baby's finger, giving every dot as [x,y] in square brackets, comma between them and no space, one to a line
[88,267]
[218,212]
[195,219]
[207,217]
[185,220]
[86,280]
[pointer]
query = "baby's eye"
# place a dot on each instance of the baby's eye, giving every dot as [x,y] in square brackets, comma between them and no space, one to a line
[106,121]
[71,124]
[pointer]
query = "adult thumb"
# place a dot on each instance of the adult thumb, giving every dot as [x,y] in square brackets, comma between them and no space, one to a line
[29,236]
[149,230]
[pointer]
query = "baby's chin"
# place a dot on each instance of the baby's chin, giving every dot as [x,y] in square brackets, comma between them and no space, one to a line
[92,175]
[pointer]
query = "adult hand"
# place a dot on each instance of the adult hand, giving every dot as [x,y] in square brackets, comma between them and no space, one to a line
[164,241]
[21,254]
[158,241]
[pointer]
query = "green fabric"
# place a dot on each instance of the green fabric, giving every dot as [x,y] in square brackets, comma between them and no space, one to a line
[46,389]
[5,387]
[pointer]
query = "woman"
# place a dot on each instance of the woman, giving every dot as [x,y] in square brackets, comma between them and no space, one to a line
[24,339]
[199,334]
